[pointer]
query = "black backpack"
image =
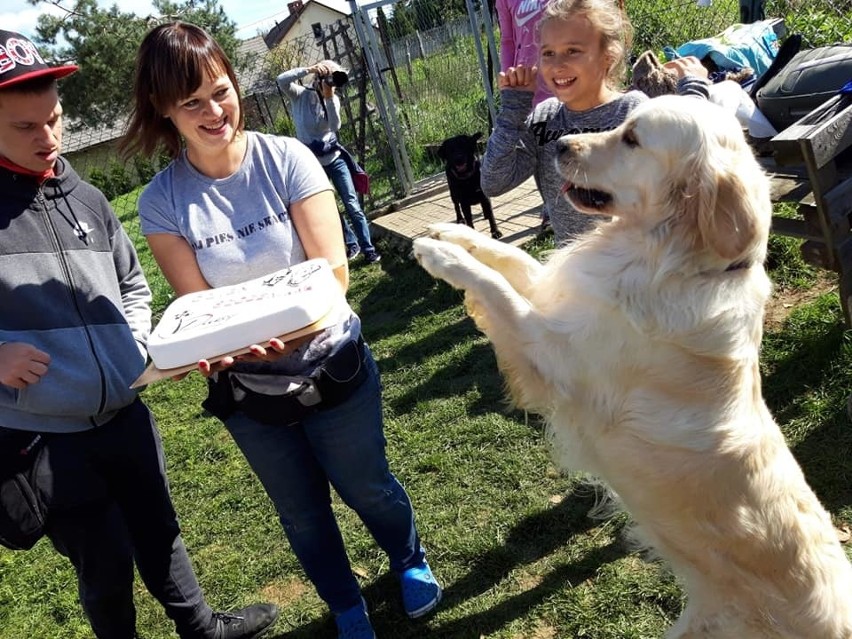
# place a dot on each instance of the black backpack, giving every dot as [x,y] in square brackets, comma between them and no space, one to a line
[801,80]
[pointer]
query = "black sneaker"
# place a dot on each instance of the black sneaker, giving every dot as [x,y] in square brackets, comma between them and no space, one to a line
[352,252]
[372,257]
[247,623]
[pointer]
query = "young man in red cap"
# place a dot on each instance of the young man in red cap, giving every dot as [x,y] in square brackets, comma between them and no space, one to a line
[74,319]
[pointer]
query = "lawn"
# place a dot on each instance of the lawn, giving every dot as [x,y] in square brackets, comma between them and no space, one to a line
[507,534]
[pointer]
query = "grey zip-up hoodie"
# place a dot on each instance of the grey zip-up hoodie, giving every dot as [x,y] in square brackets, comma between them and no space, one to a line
[70,285]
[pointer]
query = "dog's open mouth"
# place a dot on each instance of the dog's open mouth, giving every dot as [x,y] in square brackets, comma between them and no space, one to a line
[590,199]
[462,170]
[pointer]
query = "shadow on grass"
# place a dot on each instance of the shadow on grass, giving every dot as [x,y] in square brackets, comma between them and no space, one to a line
[825,459]
[388,310]
[407,292]
[491,620]
[532,539]
[806,392]
[477,369]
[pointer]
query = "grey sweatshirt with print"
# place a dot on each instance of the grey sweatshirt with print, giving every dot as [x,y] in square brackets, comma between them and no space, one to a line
[523,144]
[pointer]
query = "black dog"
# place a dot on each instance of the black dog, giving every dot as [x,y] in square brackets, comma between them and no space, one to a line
[462,164]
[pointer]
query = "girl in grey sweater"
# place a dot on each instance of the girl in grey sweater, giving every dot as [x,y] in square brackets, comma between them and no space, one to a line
[582,62]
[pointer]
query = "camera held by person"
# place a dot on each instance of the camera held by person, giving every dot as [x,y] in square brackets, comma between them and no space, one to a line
[330,73]
[336,78]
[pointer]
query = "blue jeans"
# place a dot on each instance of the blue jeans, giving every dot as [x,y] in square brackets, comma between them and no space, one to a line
[344,447]
[356,231]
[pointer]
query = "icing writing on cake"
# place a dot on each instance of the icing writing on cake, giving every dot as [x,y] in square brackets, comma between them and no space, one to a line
[216,321]
[268,288]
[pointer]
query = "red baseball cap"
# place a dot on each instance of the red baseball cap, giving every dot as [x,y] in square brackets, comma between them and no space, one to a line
[20,61]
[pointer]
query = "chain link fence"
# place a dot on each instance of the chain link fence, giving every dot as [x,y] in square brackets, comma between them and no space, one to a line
[430,64]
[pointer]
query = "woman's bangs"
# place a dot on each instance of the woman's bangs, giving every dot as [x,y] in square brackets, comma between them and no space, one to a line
[180,77]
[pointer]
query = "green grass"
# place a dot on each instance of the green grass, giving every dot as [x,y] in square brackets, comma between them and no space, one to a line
[506,533]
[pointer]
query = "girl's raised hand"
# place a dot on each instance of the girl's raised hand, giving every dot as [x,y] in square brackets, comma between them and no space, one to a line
[521,78]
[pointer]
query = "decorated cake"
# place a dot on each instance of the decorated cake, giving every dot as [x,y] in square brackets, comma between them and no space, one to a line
[209,323]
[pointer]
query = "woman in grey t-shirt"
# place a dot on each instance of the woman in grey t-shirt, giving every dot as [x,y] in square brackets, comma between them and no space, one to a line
[235,205]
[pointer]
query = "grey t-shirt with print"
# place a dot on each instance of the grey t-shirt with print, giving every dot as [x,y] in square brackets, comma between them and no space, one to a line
[240,226]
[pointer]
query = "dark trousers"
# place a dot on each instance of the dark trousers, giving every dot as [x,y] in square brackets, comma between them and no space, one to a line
[109,506]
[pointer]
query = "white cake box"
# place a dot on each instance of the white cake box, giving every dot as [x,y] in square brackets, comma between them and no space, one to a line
[209,323]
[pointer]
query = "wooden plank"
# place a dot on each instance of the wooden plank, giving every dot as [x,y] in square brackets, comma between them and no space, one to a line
[838,200]
[772,168]
[811,215]
[787,188]
[839,225]
[786,149]
[833,136]
[844,253]
[791,227]
[836,258]
[823,133]
[846,296]
[786,183]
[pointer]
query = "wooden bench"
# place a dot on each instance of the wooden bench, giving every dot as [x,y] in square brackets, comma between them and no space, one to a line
[809,166]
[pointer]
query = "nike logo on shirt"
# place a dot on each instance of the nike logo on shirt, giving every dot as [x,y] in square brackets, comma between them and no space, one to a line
[527,11]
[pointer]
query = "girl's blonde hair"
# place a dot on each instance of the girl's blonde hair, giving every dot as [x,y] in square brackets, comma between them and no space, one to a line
[610,21]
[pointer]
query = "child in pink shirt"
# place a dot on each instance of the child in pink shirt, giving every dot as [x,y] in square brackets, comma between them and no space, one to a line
[518,20]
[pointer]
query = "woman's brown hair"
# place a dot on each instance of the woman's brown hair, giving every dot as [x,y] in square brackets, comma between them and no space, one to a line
[172,62]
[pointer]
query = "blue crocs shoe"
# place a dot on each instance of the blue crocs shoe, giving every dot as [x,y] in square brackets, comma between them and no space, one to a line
[355,623]
[421,593]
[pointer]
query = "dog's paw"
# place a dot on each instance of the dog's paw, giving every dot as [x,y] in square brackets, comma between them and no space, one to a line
[432,254]
[443,260]
[438,229]
[464,236]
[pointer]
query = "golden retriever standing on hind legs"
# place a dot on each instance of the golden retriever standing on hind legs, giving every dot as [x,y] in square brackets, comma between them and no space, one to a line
[639,345]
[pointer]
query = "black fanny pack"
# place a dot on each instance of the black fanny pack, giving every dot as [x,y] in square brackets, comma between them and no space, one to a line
[324,147]
[22,511]
[329,385]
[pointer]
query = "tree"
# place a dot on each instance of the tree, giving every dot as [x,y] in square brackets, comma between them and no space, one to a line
[401,22]
[103,42]
[421,15]
[433,13]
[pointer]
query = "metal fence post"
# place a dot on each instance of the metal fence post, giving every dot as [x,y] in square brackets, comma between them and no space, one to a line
[492,47]
[483,65]
[384,99]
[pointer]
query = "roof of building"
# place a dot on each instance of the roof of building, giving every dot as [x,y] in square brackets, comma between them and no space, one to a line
[252,46]
[76,138]
[277,33]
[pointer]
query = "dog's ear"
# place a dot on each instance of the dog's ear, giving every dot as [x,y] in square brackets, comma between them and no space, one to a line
[730,227]
[718,201]
[476,136]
